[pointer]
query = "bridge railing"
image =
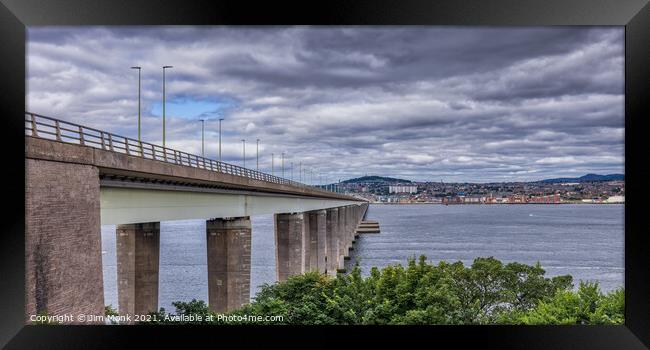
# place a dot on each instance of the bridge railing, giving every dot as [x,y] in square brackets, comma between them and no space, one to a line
[44,127]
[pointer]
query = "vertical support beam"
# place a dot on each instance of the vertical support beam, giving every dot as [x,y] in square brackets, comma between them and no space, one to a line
[351,223]
[63,255]
[229,262]
[306,251]
[289,236]
[138,257]
[332,229]
[318,242]
[365,211]
[359,215]
[343,241]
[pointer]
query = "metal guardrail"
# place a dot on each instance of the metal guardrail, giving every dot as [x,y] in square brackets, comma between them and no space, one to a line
[40,126]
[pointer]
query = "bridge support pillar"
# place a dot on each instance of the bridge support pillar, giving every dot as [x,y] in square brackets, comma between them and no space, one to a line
[138,256]
[352,223]
[63,255]
[292,244]
[318,242]
[332,234]
[343,239]
[352,219]
[229,262]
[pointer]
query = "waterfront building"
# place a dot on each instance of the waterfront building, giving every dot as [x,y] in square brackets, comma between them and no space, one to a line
[616,199]
[402,189]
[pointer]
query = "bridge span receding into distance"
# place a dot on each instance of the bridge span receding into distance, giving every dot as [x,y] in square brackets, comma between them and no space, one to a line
[79,178]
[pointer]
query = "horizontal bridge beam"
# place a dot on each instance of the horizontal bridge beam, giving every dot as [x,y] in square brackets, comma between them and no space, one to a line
[134,205]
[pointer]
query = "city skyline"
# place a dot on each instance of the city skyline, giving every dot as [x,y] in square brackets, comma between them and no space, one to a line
[462,104]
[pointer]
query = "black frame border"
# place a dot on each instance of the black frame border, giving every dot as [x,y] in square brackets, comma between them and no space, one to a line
[15,15]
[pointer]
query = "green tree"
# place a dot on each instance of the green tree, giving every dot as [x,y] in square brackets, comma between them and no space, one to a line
[486,292]
[585,306]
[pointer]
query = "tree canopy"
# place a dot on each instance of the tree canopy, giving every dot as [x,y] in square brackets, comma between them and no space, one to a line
[487,292]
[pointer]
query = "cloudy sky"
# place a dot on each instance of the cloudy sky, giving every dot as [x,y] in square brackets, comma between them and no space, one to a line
[475,104]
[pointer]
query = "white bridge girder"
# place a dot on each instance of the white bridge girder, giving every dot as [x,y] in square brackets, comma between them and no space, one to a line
[134,205]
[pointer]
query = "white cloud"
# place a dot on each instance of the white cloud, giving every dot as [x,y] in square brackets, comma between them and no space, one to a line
[466,104]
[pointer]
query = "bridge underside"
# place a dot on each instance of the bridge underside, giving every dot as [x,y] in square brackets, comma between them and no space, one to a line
[119,205]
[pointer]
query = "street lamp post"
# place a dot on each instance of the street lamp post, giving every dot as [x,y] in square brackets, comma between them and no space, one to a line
[244,150]
[220,119]
[202,137]
[291,170]
[139,84]
[272,164]
[300,172]
[164,67]
[257,157]
[283,165]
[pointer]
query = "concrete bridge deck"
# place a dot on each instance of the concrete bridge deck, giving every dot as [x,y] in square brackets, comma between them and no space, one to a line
[78,178]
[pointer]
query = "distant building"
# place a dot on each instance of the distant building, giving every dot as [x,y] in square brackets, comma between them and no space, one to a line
[472,200]
[616,199]
[549,199]
[452,200]
[518,198]
[402,189]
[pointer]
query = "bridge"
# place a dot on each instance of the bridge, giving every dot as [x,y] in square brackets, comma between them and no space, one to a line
[79,178]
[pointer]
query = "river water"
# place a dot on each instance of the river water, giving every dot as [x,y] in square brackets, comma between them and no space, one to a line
[585,241]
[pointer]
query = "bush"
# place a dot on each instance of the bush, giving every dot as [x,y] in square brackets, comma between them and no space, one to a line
[487,292]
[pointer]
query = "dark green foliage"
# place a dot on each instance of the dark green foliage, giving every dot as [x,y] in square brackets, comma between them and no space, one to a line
[487,292]
[110,311]
[586,306]
[193,308]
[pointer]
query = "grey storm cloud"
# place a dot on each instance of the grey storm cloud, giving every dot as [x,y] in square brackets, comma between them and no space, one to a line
[474,104]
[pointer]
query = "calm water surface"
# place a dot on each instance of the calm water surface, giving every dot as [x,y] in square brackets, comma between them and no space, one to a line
[585,241]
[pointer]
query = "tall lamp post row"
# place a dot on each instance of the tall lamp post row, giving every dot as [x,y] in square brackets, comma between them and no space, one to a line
[164,138]
[140,101]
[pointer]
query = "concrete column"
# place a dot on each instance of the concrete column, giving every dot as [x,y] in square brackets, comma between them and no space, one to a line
[63,254]
[318,243]
[350,226]
[331,231]
[138,260]
[290,237]
[357,214]
[229,262]
[343,241]
[354,222]
[306,251]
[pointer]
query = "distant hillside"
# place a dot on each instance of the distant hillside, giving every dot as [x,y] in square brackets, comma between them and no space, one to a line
[365,179]
[588,177]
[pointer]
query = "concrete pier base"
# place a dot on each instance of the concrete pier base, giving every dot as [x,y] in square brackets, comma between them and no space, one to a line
[318,243]
[138,261]
[350,226]
[229,262]
[63,254]
[343,242]
[331,229]
[290,236]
